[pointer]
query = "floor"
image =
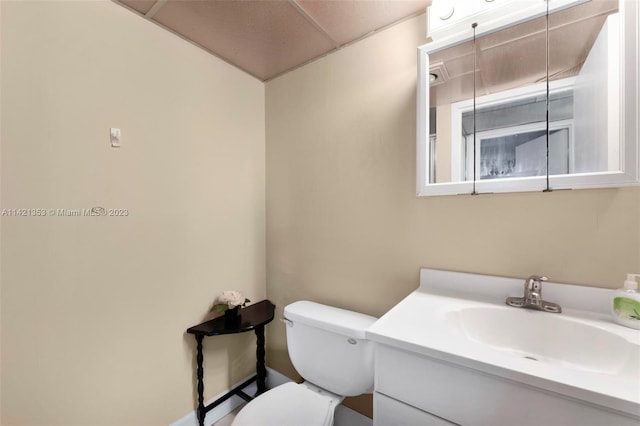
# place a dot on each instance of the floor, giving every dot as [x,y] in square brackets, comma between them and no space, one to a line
[344,417]
[226,420]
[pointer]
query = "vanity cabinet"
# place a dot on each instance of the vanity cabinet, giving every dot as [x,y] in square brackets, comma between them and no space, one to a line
[390,412]
[414,389]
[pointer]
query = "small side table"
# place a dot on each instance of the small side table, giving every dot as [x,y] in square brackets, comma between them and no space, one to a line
[253,317]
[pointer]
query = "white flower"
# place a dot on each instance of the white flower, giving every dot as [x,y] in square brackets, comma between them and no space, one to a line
[232,298]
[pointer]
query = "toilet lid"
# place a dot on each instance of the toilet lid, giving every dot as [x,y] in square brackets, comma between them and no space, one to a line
[290,404]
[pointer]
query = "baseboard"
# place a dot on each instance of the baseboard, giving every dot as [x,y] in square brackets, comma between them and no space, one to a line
[273,379]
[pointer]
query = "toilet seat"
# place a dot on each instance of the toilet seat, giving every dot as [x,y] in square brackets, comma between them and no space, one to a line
[290,404]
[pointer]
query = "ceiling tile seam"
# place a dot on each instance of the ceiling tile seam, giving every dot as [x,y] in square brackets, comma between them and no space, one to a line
[558,26]
[154,9]
[130,9]
[313,22]
[385,27]
[531,34]
[579,20]
[342,46]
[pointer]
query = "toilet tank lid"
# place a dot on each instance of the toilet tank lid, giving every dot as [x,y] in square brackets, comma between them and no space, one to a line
[342,321]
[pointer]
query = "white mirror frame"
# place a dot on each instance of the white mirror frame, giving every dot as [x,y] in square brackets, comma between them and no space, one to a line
[629,113]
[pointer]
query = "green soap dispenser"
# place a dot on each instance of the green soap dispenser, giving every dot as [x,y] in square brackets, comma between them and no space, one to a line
[626,303]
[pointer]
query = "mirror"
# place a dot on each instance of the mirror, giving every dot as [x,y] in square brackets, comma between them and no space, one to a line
[493,135]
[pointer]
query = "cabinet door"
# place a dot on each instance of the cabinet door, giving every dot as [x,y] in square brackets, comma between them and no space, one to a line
[437,387]
[389,412]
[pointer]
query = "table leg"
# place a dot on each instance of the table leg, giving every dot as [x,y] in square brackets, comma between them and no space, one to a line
[261,370]
[199,373]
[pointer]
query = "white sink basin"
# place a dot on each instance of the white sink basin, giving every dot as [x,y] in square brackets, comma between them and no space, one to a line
[545,337]
[462,319]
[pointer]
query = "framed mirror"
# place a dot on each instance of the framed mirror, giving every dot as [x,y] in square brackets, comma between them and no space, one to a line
[531,103]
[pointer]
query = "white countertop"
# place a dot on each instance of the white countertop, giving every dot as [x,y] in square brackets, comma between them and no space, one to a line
[423,323]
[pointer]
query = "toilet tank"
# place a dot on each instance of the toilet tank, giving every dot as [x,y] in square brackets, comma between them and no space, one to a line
[327,346]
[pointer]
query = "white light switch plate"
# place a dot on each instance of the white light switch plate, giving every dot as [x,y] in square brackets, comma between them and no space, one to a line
[115,137]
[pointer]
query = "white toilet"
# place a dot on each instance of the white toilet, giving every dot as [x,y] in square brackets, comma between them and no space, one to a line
[327,346]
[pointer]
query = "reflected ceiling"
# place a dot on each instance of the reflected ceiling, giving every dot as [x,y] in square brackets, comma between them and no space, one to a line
[516,56]
[267,38]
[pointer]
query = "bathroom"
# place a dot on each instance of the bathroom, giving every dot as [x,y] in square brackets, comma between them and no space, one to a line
[302,187]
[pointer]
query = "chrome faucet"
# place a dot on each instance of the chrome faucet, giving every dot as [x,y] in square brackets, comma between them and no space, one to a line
[532,298]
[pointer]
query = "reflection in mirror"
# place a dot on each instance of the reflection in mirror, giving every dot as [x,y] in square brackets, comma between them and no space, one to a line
[451,80]
[511,132]
[592,87]
[505,60]
[584,44]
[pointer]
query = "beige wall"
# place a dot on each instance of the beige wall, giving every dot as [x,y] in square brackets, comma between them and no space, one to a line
[94,310]
[345,227]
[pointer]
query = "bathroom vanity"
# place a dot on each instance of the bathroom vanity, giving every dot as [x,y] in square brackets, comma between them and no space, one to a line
[452,352]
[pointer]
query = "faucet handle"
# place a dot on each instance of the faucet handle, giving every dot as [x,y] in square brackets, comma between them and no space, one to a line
[534,282]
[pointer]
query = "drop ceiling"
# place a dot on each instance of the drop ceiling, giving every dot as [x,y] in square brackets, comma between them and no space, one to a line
[267,38]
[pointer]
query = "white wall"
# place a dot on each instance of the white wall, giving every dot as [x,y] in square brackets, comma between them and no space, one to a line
[94,309]
[597,104]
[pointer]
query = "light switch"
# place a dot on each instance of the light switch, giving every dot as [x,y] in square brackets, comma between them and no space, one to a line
[115,137]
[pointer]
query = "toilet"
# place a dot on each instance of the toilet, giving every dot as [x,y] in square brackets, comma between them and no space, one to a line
[327,346]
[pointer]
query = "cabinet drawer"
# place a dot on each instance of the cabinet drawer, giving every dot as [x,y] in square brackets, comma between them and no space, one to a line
[389,412]
[469,397]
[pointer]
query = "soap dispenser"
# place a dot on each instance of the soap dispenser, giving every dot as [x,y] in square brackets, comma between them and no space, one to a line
[626,303]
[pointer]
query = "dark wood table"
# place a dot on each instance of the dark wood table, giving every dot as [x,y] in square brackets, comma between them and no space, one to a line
[253,317]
